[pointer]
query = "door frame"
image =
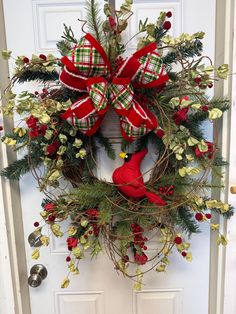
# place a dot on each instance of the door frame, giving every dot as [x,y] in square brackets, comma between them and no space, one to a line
[12,253]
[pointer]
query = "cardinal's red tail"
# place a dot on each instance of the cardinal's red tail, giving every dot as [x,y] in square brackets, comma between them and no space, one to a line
[154,198]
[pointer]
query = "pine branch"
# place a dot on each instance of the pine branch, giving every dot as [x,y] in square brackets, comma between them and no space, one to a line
[68,34]
[94,21]
[40,76]
[20,167]
[184,218]
[64,47]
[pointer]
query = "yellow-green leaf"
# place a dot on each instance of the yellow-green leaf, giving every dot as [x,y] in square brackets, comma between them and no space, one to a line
[192,141]
[189,257]
[215,113]
[222,240]
[65,283]
[35,254]
[223,71]
[161,268]
[56,229]
[45,240]
[72,230]
[215,227]
[6,54]
[76,251]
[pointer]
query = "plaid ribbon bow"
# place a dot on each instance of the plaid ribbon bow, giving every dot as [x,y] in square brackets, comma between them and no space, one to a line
[88,70]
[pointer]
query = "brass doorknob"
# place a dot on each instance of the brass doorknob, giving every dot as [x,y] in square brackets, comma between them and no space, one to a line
[233,189]
[37,274]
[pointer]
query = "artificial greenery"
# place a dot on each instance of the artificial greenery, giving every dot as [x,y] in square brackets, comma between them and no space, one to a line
[98,213]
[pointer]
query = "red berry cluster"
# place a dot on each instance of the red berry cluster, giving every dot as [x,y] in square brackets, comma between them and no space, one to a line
[36,129]
[166,190]
[200,216]
[27,60]
[139,241]
[201,82]
[93,214]
[167,24]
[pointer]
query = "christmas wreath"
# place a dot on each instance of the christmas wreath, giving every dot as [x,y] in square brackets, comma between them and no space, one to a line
[159,96]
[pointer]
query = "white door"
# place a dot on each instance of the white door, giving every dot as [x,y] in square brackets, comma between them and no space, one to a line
[34,26]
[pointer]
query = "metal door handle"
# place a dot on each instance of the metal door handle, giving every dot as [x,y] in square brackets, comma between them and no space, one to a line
[37,274]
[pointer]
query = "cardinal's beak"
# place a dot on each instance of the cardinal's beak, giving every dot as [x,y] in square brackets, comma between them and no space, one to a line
[122,155]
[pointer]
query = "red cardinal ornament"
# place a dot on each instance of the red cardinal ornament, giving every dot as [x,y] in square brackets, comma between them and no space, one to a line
[129,179]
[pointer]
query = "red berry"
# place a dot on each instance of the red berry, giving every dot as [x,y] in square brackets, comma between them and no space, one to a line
[45,91]
[36,93]
[85,236]
[184,254]
[25,60]
[1,128]
[42,56]
[68,259]
[126,258]
[197,80]
[169,14]
[167,25]
[90,232]
[210,85]
[145,247]
[51,218]
[205,108]
[36,224]
[208,216]
[199,216]
[178,240]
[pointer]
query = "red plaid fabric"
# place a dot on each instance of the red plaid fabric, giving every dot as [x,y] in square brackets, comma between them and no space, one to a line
[87,68]
[89,62]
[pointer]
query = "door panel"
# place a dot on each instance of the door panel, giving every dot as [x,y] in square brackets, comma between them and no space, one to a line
[183,289]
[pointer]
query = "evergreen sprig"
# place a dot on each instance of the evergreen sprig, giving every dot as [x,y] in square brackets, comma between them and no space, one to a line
[39,76]
[20,167]
[94,21]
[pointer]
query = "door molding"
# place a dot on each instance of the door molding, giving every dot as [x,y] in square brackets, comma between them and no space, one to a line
[219,288]
[14,297]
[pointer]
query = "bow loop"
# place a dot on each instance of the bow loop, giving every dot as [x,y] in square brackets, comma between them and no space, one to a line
[89,58]
[151,73]
[98,93]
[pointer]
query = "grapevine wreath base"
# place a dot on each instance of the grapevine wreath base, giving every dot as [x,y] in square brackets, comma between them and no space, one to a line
[158,94]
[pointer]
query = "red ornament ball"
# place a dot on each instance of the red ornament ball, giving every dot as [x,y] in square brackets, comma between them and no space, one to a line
[25,60]
[199,216]
[167,25]
[178,240]
[184,254]
[169,14]
[68,258]
[36,224]
[208,216]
